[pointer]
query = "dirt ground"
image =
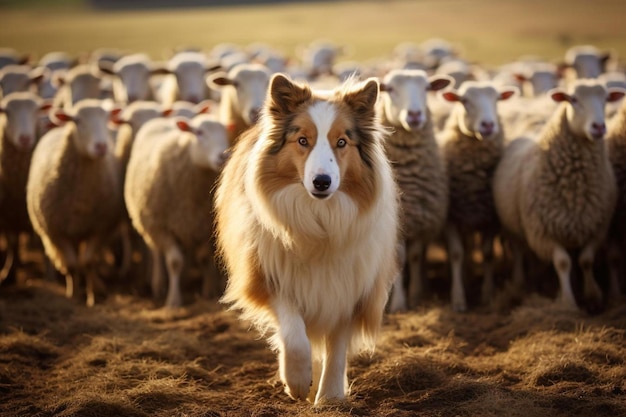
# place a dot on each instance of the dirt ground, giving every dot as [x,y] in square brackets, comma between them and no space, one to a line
[128,357]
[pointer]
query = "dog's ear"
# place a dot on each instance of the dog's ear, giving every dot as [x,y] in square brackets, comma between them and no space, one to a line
[286,96]
[362,100]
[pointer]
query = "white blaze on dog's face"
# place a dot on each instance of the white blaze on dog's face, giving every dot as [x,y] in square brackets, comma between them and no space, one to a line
[321,143]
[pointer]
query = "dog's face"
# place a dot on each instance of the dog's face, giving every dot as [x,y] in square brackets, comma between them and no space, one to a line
[324,143]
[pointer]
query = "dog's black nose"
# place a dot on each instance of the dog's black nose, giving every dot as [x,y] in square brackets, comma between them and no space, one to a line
[321,182]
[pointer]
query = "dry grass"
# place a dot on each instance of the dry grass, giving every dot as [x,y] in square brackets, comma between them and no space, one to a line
[127,357]
[489,31]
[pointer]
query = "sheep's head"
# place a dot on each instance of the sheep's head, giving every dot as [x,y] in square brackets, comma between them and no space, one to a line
[15,78]
[208,141]
[88,122]
[131,77]
[250,82]
[585,104]
[477,104]
[404,103]
[22,110]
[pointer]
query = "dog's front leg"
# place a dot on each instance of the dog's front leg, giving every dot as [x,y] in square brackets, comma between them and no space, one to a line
[294,356]
[334,382]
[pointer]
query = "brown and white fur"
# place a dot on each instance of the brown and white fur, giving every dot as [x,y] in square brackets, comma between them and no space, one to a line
[307,215]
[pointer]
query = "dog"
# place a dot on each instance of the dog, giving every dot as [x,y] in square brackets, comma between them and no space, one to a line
[307,226]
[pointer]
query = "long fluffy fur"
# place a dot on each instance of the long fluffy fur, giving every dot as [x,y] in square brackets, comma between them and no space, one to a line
[334,259]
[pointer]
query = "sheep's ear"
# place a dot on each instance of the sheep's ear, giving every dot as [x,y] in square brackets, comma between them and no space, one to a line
[615,94]
[286,96]
[451,96]
[184,125]
[204,106]
[106,67]
[45,105]
[220,79]
[439,82]
[37,75]
[58,78]
[167,112]
[59,115]
[604,58]
[160,69]
[559,96]
[213,68]
[385,88]
[520,77]
[507,94]
[115,117]
[23,60]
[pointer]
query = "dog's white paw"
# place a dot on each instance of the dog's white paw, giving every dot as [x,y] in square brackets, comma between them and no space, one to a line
[297,373]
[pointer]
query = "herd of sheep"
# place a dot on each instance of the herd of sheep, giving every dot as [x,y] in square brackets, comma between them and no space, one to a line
[118,153]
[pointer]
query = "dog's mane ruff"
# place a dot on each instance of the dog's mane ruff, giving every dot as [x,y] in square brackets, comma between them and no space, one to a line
[314,253]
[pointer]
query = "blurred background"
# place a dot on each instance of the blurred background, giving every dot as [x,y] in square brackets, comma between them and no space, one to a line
[490,32]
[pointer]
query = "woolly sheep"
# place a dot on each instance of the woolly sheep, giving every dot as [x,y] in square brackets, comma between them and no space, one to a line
[419,170]
[131,77]
[187,78]
[243,94]
[471,143]
[18,118]
[73,193]
[556,192]
[15,78]
[586,61]
[51,63]
[170,177]
[9,56]
[616,149]
[78,83]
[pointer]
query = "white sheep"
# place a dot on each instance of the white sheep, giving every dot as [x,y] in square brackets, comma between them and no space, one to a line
[14,78]
[169,181]
[471,143]
[131,77]
[78,83]
[419,171]
[616,240]
[586,61]
[73,193]
[243,92]
[18,117]
[186,79]
[9,56]
[52,62]
[556,192]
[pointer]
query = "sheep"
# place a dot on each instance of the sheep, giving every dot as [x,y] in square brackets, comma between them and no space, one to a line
[319,57]
[616,240]
[556,192]
[170,178]
[186,80]
[15,78]
[73,192]
[80,82]
[243,94]
[471,143]
[131,77]
[51,63]
[419,170]
[18,117]
[9,56]
[586,61]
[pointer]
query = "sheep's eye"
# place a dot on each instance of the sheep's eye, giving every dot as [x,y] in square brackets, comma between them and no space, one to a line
[303,141]
[573,100]
[341,143]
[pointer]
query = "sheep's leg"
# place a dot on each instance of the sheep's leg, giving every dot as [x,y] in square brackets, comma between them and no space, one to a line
[156,275]
[614,260]
[294,357]
[334,381]
[518,265]
[593,293]
[8,270]
[398,301]
[88,264]
[488,268]
[127,248]
[416,255]
[64,257]
[455,253]
[174,262]
[563,265]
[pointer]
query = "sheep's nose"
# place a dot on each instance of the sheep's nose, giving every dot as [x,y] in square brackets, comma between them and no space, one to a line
[321,182]
[101,148]
[598,129]
[25,141]
[414,117]
[487,127]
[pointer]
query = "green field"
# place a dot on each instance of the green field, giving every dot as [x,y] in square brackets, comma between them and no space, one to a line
[489,31]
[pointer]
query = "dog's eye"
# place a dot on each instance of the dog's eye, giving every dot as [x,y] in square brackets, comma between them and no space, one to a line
[341,143]
[303,141]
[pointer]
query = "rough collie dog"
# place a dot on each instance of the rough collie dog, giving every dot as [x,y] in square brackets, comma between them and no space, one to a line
[306,212]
